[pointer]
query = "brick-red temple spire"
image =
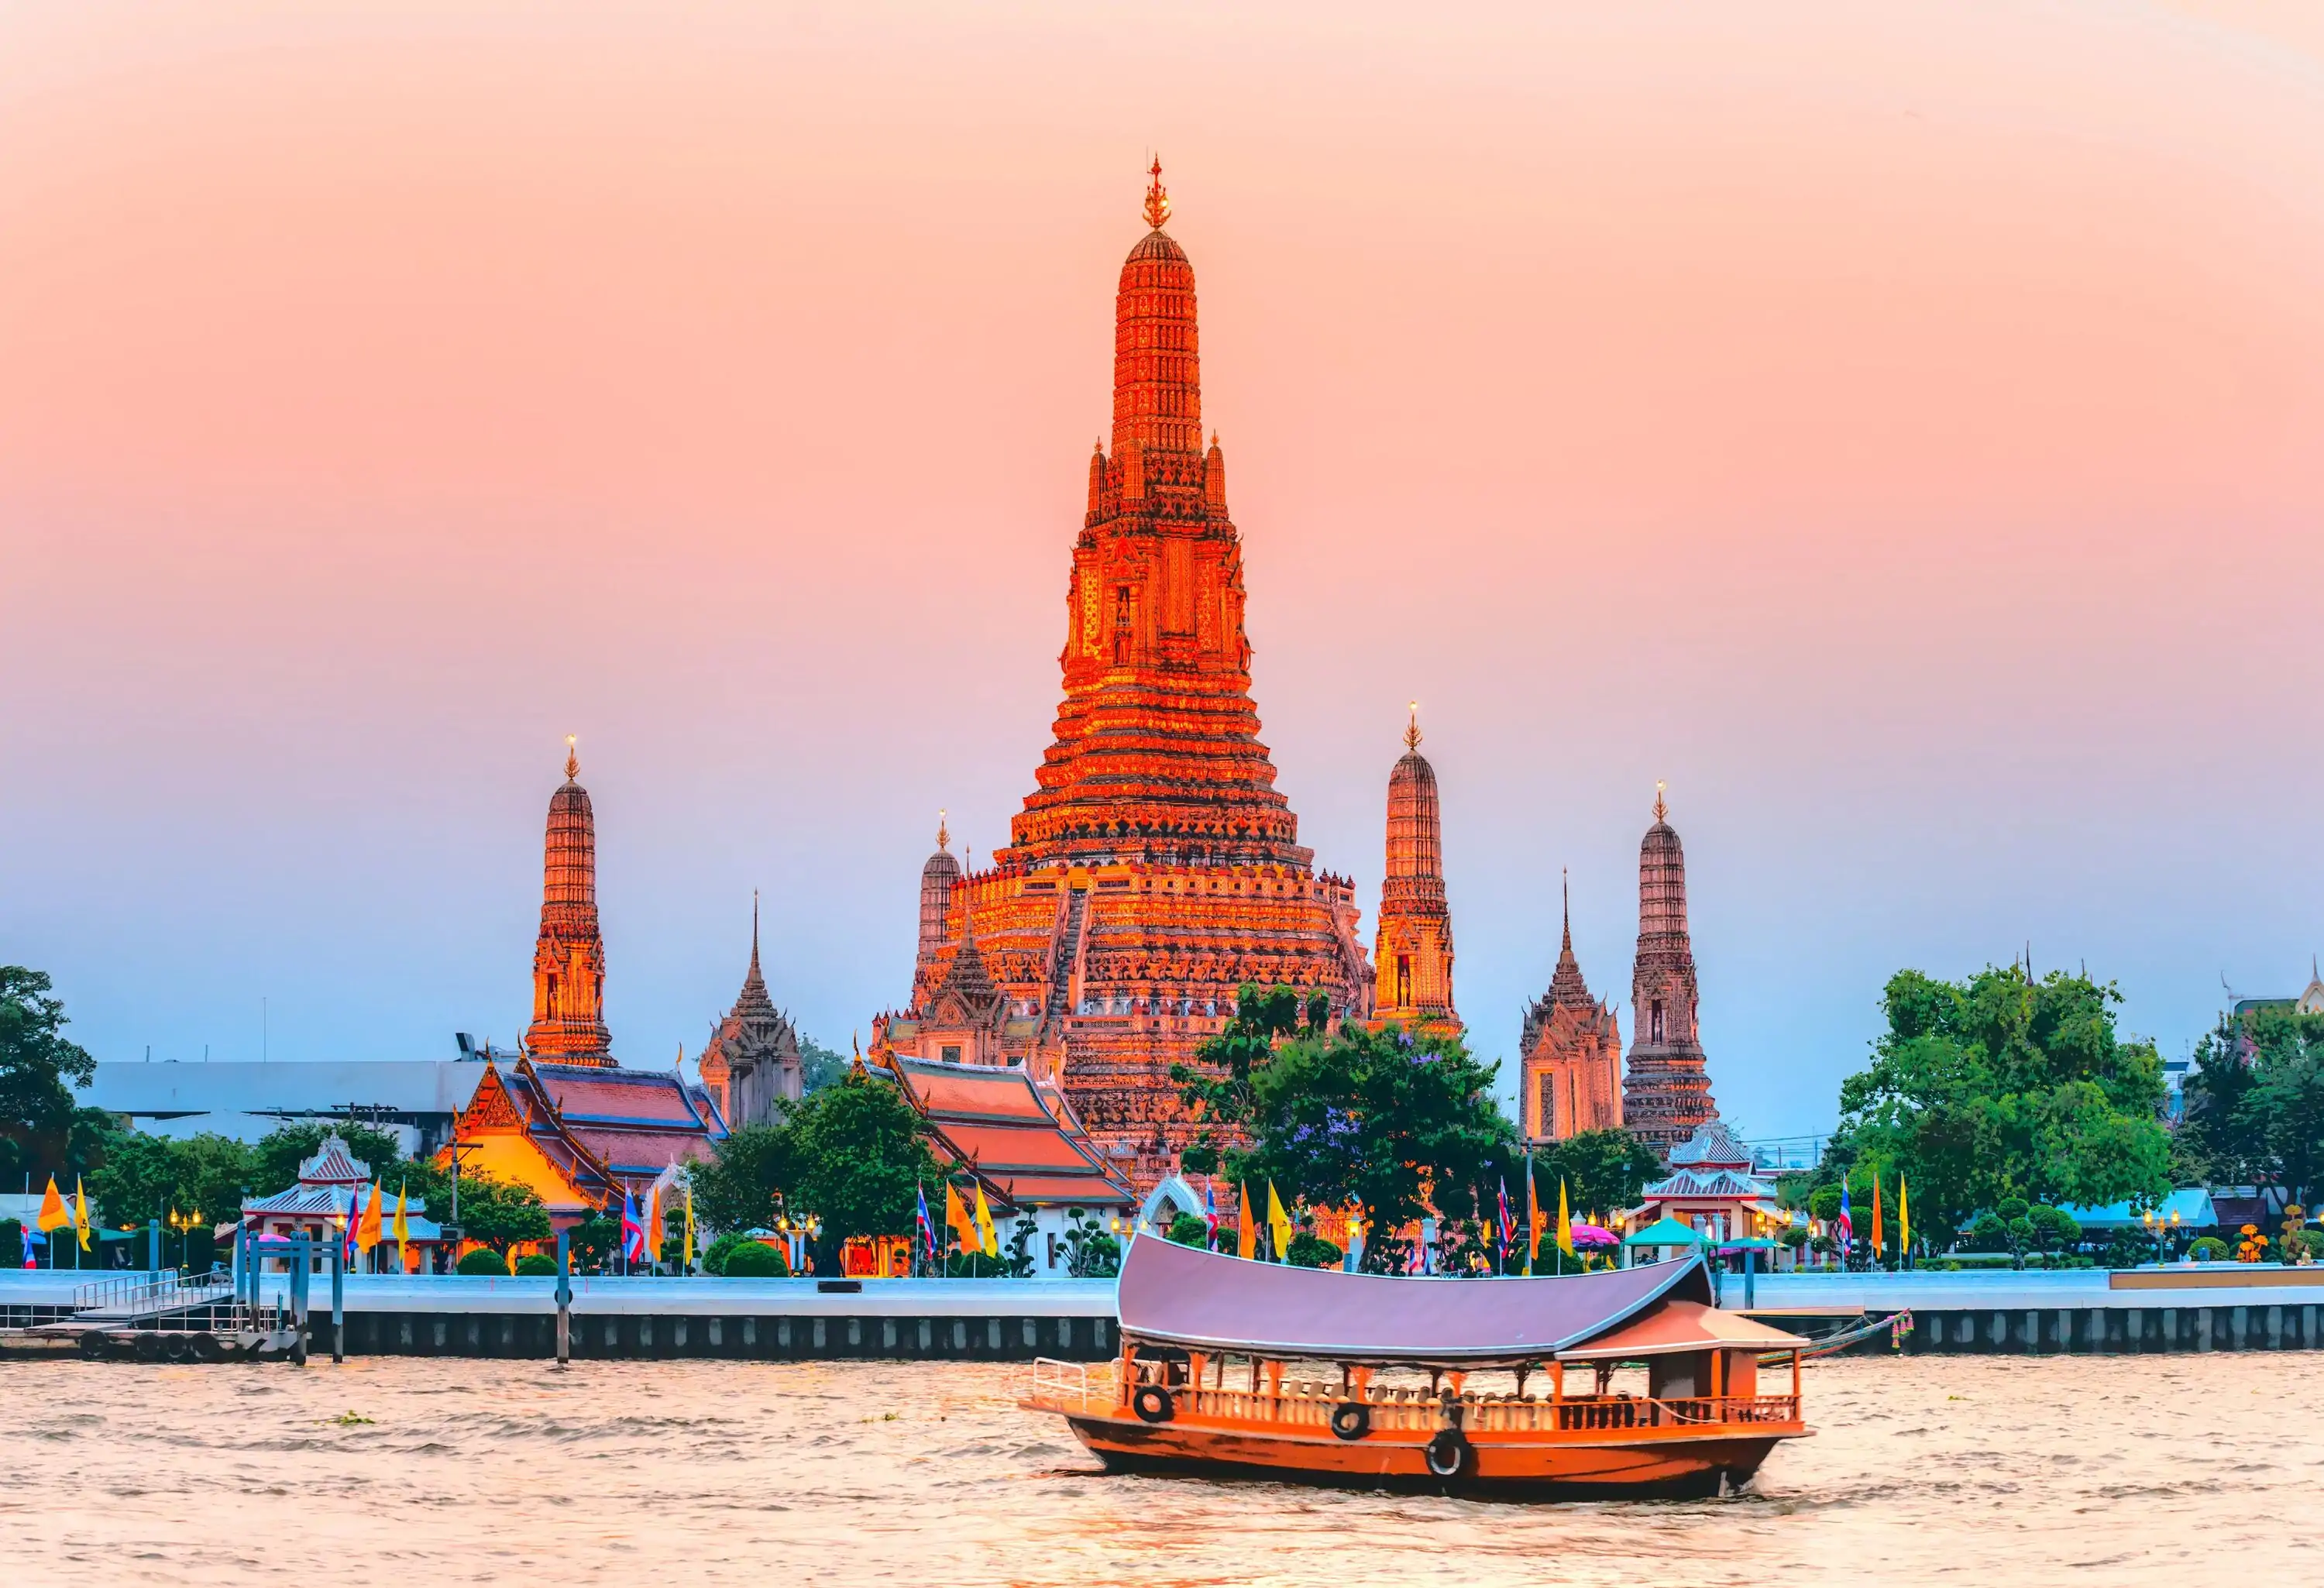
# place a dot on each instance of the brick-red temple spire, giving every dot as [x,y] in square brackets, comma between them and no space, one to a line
[569,958]
[1666,1092]
[1413,955]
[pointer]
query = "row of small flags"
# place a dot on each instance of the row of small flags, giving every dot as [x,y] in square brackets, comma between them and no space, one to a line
[971,1227]
[364,1232]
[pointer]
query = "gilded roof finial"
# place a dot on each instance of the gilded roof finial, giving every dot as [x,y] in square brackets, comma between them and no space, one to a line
[944,834]
[1157,201]
[1412,728]
[1662,806]
[572,757]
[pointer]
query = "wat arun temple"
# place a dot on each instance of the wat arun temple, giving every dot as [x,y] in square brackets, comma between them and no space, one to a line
[1156,868]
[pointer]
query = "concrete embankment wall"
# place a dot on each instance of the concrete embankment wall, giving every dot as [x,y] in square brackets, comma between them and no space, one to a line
[2225,1308]
[2207,1307]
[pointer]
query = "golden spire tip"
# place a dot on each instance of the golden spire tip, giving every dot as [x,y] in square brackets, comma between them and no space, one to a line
[1157,199]
[1412,728]
[1662,806]
[572,757]
[944,834]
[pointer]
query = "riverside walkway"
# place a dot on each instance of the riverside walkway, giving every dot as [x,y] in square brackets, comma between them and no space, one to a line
[2218,1306]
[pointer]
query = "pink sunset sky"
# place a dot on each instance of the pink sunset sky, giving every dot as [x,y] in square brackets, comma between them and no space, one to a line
[1899,427]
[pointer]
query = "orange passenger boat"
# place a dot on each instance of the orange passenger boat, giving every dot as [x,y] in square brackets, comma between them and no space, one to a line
[1439,1382]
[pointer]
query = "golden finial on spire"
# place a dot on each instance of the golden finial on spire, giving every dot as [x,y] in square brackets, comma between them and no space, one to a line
[944,834]
[1662,806]
[572,757]
[1412,728]
[1157,200]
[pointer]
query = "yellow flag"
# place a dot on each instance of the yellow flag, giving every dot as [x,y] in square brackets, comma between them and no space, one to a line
[367,1232]
[1903,1217]
[689,1225]
[957,1219]
[1564,1222]
[1246,1237]
[80,1213]
[53,1214]
[1533,1217]
[1279,1223]
[986,1239]
[402,1227]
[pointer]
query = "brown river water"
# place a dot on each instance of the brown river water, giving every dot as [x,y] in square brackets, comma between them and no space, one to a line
[1987,1470]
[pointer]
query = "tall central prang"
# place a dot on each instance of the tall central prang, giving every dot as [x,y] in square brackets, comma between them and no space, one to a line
[1155,867]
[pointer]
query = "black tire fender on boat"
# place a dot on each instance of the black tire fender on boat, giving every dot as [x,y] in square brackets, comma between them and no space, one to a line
[96,1345]
[147,1346]
[209,1348]
[1152,1403]
[1352,1419]
[1450,1454]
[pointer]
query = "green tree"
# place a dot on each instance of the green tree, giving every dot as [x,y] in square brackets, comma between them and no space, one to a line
[743,1185]
[1190,1230]
[1404,1124]
[1602,1170]
[2284,1108]
[280,1151]
[1091,1251]
[141,1178]
[819,1066]
[501,1214]
[2004,1086]
[38,1065]
[861,1156]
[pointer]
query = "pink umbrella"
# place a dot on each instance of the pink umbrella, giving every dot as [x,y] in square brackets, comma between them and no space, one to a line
[1592,1235]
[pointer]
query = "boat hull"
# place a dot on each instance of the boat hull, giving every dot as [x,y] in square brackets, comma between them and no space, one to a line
[1691,1465]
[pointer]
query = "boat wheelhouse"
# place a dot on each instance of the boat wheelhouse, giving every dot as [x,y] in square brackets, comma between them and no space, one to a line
[1230,1367]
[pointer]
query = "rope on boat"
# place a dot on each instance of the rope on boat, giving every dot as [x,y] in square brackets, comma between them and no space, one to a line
[1898,1324]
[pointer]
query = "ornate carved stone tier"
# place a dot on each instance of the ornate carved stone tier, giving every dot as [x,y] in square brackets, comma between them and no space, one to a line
[569,958]
[1155,866]
[1413,955]
[1666,1092]
[1571,1053]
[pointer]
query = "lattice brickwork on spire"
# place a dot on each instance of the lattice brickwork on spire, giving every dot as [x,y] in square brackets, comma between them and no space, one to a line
[1666,1092]
[568,957]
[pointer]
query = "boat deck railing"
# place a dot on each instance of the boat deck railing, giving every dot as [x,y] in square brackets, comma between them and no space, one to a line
[1078,1389]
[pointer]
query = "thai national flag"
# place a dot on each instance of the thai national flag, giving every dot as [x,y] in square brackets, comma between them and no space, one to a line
[1210,1215]
[633,1229]
[927,1225]
[1508,1222]
[354,1217]
[1843,1223]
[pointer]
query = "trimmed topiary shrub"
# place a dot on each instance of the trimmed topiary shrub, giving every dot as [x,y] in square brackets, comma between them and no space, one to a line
[2210,1249]
[483,1260]
[755,1259]
[1188,1230]
[1311,1251]
[537,1265]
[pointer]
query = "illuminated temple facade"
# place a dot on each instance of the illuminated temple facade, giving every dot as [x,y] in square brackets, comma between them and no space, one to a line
[1155,867]
[1666,1093]
[1412,958]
